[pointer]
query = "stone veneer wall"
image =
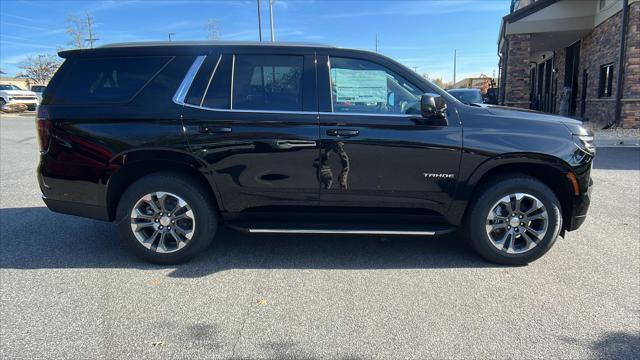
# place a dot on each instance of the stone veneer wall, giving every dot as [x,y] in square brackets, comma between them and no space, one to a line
[600,47]
[517,85]
[560,57]
[631,86]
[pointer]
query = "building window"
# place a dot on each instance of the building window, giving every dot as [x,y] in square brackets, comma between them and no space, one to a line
[602,4]
[606,80]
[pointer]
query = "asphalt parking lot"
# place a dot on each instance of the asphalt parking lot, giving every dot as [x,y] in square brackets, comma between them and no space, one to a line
[70,290]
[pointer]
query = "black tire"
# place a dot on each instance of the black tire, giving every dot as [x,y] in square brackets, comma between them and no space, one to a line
[193,192]
[491,193]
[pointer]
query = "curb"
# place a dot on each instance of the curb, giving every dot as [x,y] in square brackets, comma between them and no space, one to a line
[618,142]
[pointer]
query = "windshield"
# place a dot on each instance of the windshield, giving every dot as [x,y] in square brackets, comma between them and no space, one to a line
[9,87]
[468,96]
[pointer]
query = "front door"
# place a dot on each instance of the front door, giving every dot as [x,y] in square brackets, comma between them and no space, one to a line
[376,151]
[252,119]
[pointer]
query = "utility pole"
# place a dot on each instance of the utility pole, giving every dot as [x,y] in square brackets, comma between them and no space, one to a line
[376,42]
[259,23]
[455,58]
[91,40]
[170,34]
[273,35]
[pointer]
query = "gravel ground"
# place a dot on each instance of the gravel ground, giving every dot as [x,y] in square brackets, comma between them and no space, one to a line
[68,289]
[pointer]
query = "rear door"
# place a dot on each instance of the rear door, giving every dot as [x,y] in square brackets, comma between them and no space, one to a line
[376,150]
[251,116]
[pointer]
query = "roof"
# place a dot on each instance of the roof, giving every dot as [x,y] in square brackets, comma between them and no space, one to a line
[528,10]
[183,47]
[215,43]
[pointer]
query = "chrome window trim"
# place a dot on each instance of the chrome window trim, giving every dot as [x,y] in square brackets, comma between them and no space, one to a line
[210,78]
[185,85]
[252,111]
[330,85]
[369,114]
[233,70]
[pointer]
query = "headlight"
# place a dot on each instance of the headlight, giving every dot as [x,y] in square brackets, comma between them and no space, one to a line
[585,142]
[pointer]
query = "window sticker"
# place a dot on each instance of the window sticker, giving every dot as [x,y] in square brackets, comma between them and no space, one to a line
[360,86]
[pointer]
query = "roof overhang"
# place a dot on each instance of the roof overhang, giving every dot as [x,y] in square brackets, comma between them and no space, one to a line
[551,23]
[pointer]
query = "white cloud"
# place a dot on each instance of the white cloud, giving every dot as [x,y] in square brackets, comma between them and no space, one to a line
[425,8]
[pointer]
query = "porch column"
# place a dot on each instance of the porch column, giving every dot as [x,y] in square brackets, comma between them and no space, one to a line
[517,80]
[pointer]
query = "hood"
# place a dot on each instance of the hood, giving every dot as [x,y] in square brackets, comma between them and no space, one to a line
[19,92]
[575,126]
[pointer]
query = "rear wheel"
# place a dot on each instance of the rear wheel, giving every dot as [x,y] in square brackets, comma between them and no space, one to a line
[515,220]
[166,218]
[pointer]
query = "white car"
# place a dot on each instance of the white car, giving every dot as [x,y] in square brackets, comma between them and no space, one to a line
[12,94]
[38,89]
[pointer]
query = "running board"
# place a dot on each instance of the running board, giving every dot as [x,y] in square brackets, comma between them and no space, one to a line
[340,229]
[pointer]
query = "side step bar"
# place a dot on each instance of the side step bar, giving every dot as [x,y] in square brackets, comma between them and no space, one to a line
[358,232]
[340,229]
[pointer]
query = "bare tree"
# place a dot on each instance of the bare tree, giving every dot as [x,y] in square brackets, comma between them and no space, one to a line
[77,30]
[439,82]
[80,29]
[213,29]
[39,69]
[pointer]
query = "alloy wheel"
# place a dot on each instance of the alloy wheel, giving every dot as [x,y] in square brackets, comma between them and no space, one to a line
[517,223]
[162,222]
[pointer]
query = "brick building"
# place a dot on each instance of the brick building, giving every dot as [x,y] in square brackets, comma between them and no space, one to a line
[579,58]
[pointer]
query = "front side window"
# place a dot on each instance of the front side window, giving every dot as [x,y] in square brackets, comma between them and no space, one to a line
[606,81]
[271,82]
[359,86]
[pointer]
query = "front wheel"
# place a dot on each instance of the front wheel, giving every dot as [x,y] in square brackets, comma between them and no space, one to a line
[515,220]
[166,218]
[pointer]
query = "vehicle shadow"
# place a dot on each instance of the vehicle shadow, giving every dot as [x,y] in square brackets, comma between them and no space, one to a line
[617,345]
[622,158]
[36,238]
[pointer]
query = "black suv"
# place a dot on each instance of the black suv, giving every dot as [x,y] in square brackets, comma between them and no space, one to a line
[168,140]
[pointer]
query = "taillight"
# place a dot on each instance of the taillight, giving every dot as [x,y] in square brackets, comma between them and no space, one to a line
[43,125]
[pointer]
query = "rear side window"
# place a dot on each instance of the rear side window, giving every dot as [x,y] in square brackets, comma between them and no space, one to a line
[108,80]
[267,82]
[212,86]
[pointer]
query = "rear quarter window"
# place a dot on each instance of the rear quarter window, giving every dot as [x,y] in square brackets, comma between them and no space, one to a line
[108,80]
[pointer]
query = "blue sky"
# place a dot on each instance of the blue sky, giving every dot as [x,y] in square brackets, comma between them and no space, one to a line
[420,34]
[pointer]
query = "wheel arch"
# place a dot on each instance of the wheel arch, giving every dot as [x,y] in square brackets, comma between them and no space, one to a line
[549,170]
[131,166]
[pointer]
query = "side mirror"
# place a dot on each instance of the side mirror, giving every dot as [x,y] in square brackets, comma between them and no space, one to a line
[433,107]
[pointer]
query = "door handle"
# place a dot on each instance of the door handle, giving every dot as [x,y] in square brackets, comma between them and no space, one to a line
[215,129]
[343,132]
